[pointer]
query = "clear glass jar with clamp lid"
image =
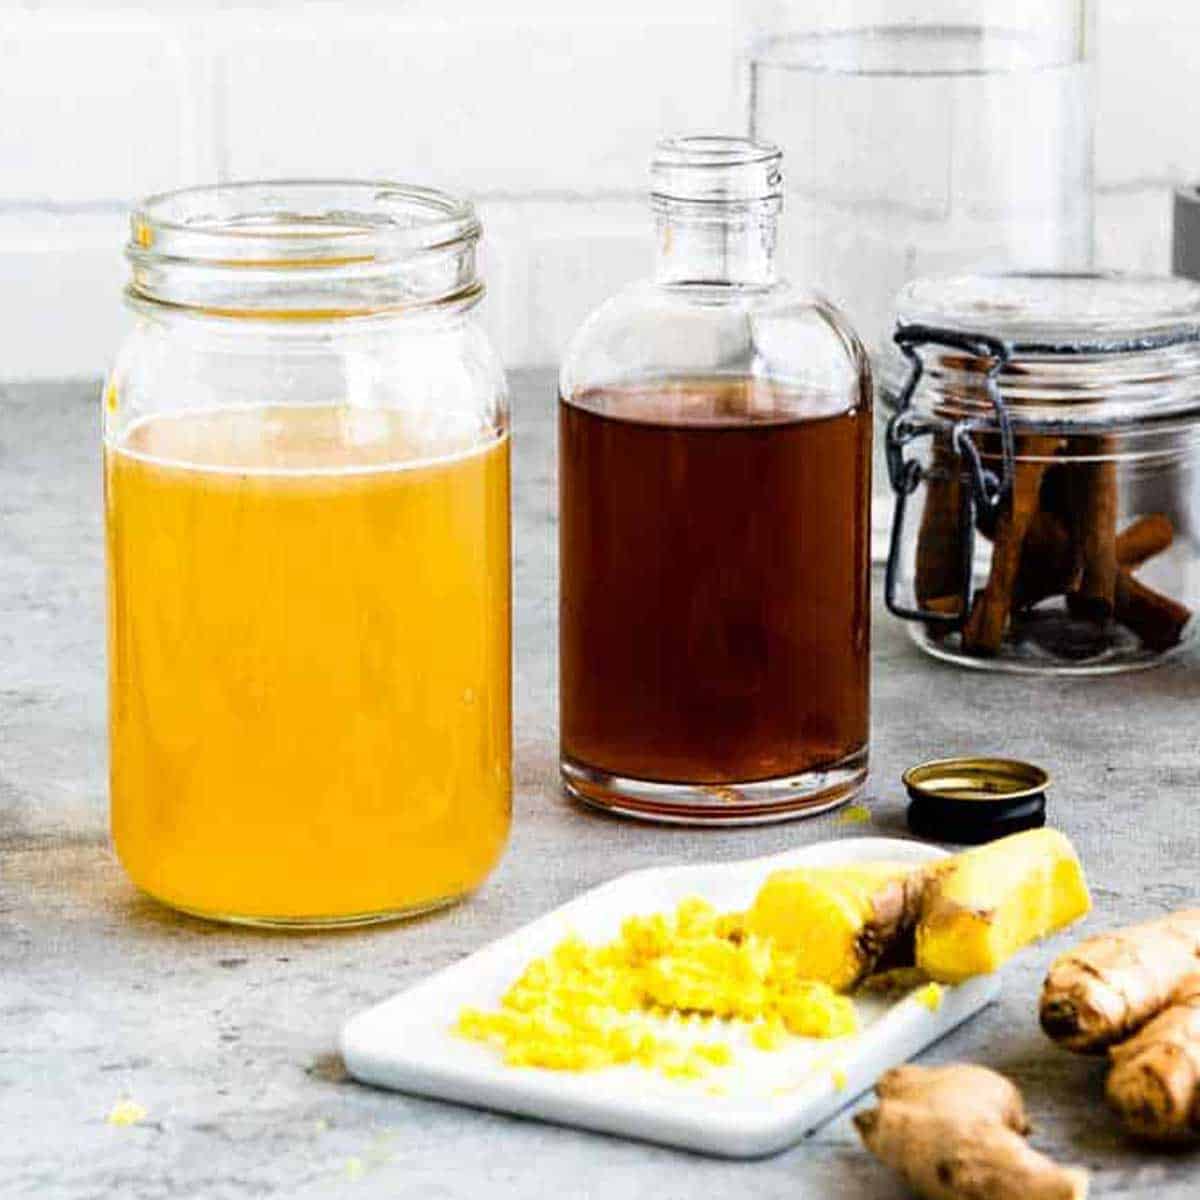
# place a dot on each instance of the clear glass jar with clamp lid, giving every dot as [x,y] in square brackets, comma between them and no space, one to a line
[1044,449]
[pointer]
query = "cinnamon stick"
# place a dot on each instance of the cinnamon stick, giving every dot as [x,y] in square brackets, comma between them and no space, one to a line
[1093,485]
[1048,568]
[988,622]
[1047,562]
[1157,620]
[1145,538]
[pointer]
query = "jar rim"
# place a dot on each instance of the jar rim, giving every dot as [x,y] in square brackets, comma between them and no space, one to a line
[1095,349]
[303,247]
[1059,312]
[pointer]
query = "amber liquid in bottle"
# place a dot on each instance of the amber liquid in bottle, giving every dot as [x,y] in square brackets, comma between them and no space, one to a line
[714,617]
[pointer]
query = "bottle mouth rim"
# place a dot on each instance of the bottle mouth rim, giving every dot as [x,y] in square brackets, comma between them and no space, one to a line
[312,248]
[716,169]
[713,150]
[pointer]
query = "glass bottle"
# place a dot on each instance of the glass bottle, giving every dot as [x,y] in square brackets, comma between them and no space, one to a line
[715,434]
[306,481]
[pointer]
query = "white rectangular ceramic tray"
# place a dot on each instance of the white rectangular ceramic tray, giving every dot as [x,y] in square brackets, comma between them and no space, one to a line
[760,1104]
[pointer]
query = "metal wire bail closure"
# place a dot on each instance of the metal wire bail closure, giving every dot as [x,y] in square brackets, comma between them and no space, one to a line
[985,493]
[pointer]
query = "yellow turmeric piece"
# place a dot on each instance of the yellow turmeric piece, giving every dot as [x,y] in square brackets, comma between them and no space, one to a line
[585,1006]
[125,1113]
[930,996]
[983,905]
[839,922]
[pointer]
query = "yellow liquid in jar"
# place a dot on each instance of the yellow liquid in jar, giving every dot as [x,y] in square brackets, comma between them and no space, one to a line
[309,662]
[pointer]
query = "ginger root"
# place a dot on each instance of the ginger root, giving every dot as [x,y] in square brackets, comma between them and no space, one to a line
[981,906]
[1110,985]
[1154,1084]
[1136,993]
[958,1133]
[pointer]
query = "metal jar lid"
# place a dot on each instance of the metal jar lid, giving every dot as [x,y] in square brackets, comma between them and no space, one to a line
[1081,351]
[973,799]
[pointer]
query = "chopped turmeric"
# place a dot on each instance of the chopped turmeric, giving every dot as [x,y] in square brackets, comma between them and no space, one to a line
[778,969]
[585,1006]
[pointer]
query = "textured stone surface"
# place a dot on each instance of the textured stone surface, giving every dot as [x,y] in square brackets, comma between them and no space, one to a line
[226,1037]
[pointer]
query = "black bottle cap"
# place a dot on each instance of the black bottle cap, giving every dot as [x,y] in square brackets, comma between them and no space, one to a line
[973,800]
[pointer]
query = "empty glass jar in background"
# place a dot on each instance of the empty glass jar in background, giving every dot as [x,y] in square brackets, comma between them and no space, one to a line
[306,478]
[924,137]
[1046,450]
[714,464]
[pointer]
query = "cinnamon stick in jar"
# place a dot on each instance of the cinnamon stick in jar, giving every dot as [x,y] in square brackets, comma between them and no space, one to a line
[1158,621]
[1146,537]
[1094,495]
[1048,568]
[988,622]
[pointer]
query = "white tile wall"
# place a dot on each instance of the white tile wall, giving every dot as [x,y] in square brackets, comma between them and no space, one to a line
[544,110]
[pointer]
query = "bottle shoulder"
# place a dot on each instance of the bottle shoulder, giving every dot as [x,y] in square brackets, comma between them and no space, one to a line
[782,333]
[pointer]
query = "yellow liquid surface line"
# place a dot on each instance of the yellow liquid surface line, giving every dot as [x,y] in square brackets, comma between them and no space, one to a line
[310,675]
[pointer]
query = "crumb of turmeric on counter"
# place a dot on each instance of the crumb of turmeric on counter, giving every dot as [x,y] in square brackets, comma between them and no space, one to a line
[853,814]
[585,1006]
[125,1113]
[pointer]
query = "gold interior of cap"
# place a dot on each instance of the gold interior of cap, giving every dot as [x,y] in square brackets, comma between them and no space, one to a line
[976,779]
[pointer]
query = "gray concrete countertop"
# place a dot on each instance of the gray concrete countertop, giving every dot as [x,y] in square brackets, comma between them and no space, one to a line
[227,1037]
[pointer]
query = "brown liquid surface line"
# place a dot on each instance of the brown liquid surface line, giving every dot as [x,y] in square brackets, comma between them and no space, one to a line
[714,619]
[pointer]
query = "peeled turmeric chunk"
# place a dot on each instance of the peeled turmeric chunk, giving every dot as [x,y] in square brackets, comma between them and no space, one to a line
[983,905]
[838,922]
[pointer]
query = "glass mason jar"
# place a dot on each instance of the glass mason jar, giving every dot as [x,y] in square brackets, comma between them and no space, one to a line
[925,137]
[714,464]
[1045,450]
[307,498]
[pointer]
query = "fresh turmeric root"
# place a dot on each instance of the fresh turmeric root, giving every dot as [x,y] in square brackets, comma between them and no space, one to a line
[957,917]
[1136,994]
[958,1133]
[1110,985]
[839,922]
[980,907]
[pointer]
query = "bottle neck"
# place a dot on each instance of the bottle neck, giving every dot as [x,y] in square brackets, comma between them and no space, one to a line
[715,244]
